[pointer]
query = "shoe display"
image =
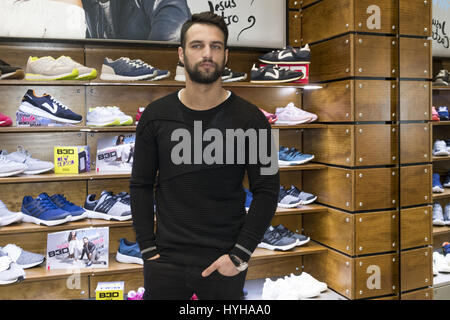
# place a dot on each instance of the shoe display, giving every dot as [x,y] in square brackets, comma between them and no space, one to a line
[286,200]
[160,74]
[440,263]
[273,74]
[124,119]
[434,114]
[84,73]
[48,107]
[139,112]
[437,186]
[447,180]
[440,148]
[22,258]
[273,240]
[48,68]
[43,211]
[5,121]
[233,76]
[443,113]
[447,214]
[292,157]
[101,117]
[33,166]
[8,217]
[285,232]
[125,69]
[291,115]
[76,212]
[438,215]
[10,168]
[179,73]
[10,272]
[305,198]
[289,55]
[107,207]
[9,72]
[442,78]
[272,118]
[129,252]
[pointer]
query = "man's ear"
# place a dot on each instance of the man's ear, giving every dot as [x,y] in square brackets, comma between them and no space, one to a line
[226,56]
[181,54]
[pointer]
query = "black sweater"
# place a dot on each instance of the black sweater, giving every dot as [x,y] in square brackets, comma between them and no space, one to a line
[200,213]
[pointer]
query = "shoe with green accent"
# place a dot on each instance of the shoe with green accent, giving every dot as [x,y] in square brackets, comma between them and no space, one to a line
[84,73]
[47,68]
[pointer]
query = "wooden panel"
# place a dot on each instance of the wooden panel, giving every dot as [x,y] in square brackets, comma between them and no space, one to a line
[289,178]
[292,222]
[422,294]
[305,3]
[376,144]
[415,184]
[417,268]
[326,19]
[415,143]
[415,17]
[380,16]
[376,188]
[270,98]
[376,56]
[116,186]
[375,100]
[415,57]
[415,100]
[133,280]
[387,298]
[294,4]
[295,31]
[416,227]
[116,233]
[274,267]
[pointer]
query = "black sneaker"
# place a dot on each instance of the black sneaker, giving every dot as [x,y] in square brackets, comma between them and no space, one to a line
[231,76]
[285,232]
[9,72]
[442,78]
[48,107]
[288,56]
[273,240]
[273,74]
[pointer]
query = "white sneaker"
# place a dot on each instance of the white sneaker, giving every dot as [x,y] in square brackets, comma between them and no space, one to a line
[305,289]
[309,279]
[440,262]
[440,148]
[125,120]
[179,73]
[101,117]
[34,166]
[8,217]
[291,115]
[84,73]
[10,168]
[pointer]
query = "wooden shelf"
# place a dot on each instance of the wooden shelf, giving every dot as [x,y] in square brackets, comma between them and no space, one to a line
[441,158]
[310,248]
[438,230]
[50,177]
[445,194]
[310,208]
[306,166]
[68,129]
[440,123]
[300,126]
[441,88]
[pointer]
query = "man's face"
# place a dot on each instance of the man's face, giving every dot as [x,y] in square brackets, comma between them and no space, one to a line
[205,56]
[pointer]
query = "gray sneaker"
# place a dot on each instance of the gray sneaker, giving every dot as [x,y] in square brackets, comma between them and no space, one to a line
[438,216]
[286,200]
[285,232]
[24,259]
[34,166]
[273,240]
[447,214]
[304,197]
[10,168]
[10,272]
[7,217]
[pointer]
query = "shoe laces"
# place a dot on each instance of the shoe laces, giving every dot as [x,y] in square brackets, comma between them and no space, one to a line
[46,203]
[62,200]
[142,63]
[273,235]
[285,232]
[131,62]
[58,103]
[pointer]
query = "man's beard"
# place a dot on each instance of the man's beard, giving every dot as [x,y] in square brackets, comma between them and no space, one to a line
[204,77]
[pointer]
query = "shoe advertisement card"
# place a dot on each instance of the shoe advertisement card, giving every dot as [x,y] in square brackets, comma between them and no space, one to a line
[78,249]
[115,153]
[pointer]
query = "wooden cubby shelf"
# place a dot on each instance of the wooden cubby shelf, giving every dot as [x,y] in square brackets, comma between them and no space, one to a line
[445,194]
[440,123]
[441,88]
[63,177]
[441,158]
[438,230]
[310,248]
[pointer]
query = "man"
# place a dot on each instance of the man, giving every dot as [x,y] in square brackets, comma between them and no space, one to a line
[91,252]
[204,238]
[159,20]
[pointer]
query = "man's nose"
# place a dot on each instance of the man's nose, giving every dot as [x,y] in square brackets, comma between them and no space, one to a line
[206,53]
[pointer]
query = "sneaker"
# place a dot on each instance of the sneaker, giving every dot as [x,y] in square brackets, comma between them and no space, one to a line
[442,78]
[10,272]
[285,232]
[84,73]
[272,118]
[8,217]
[5,121]
[126,70]
[447,142]
[179,73]
[291,115]
[304,289]
[273,240]
[434,114]
[443,113]
[136,295]
[447,214]
[160,74]
[438,216]
[107,207]
[305,198]
[22,156]
[47,68]
[437,186]
[9,72]
[124,119]
[292,157]
[10,168]
[286,200]
[101,117]
[440,262]
[447,180]
[440,148]
[289,55]
[310,280]
[273,74]
[48,107]
[43,211]
[22,258]
[248,198]
[232,76]
[139,114]
[129,252]
[76,212]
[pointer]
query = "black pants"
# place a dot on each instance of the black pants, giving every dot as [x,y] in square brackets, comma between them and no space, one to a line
[168,281]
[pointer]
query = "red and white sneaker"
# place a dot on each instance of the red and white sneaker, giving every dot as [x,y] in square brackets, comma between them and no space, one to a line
[139,114]
[5,121]
[435,114]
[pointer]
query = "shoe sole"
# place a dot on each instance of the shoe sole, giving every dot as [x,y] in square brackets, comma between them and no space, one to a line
[288,206]
[440,82]
[40,77]
[112,77]
[291,123]
[293,163]
[438,223]
[31,265]
[276,81]
[19,74]
[5,282]
[104,216]
[88,76]
[31,109]
[300,243]
[438,190]
[161,77]
[38,171]
[84,215]
[11,173]
[104,124]
[309,201]
[441,153]
[128,259]
[235,79]
[276,248]
[10,220]
[285,62]
[48,223]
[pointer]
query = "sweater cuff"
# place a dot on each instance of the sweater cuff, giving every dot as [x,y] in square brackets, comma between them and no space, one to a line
[242,252]
[149,252]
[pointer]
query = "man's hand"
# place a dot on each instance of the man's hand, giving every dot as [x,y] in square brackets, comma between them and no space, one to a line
[223,265]
[154,257]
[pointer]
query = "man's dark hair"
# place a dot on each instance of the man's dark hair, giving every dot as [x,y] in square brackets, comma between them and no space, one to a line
[206,17]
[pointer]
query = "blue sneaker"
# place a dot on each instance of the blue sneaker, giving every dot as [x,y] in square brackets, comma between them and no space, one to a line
[129,252]
[126,69]
[47,107]
[76,212]
[248,198]
[292,157]
[443,113]
[160,74]
[43,211]
[437,186]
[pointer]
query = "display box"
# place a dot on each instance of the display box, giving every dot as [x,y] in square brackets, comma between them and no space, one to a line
[72,159]
[110,290]
[29,120]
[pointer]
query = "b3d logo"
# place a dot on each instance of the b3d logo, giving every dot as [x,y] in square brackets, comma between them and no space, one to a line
[105,295]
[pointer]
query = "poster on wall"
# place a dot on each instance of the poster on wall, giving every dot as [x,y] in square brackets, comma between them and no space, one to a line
[441,28]
[260,23]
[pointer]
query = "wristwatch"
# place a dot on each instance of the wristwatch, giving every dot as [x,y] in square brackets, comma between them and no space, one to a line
[238,262]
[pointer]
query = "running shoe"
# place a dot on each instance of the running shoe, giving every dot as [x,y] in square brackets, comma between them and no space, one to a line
[435,114]
[22,156]
[179,73]
[126,69]
[440,148]
[292,157]
[305,198]
[76,212]
[307,280]
[273,240]
[5,121]
[291,115]
[447,214]
[22,258]
[140,110]
[286,200]
[48,107]
[438,215]
[442,78]
[443,113]
[232,76]
[289,55]
[285,232]
[101,117]
[129,252]
[47,68]
[272,118]
[107,207]
[160,74]
[10,168]
[43,211]
[10,272]
[8,217]
[124,119]
[273,74]
[9,72]
[437,186]
[84,73]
